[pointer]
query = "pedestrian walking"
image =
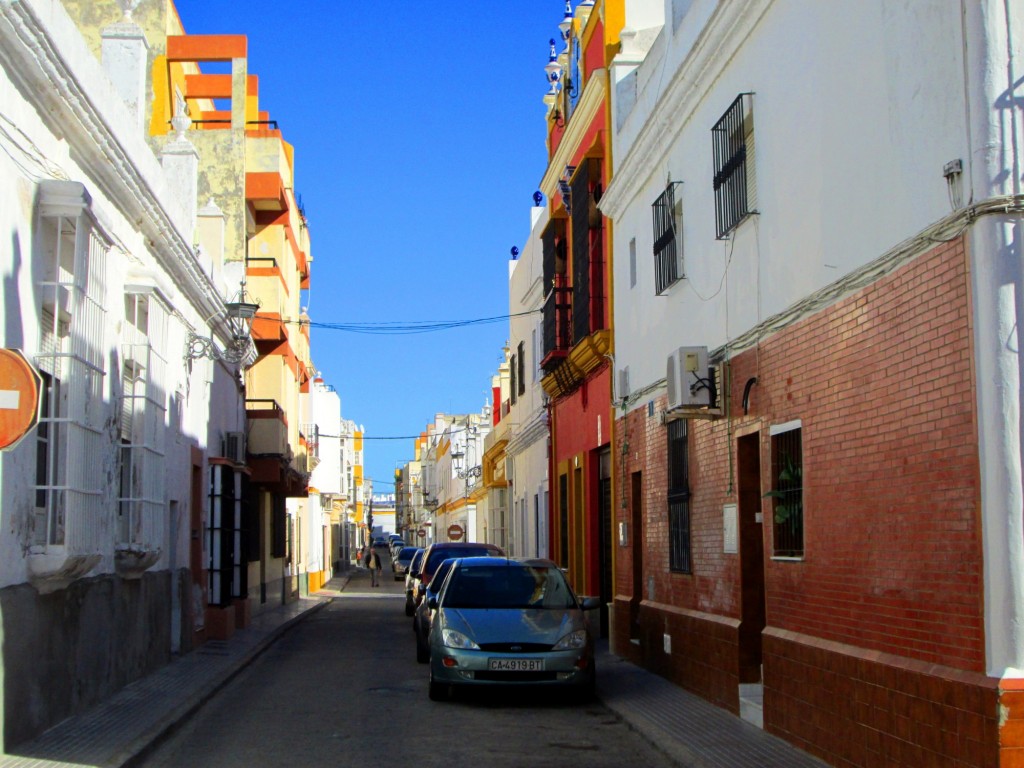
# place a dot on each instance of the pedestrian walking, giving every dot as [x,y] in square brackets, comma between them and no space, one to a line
[373,563]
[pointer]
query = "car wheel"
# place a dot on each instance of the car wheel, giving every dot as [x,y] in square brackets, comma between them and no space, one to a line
[409,607]
[422,649]
[586,693]
[439,691]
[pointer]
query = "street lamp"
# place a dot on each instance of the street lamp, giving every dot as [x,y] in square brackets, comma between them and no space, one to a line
[240,315]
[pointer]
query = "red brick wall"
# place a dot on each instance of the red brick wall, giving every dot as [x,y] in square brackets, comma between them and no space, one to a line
[857,708]
[882,383]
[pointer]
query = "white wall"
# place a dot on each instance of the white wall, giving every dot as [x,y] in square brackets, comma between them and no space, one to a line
[856,109]
[527,448]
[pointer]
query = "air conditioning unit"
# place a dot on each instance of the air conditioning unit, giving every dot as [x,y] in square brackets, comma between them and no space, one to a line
[234,446]
[690,380]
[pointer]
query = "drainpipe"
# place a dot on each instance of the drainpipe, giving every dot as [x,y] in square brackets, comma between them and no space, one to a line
[992,56]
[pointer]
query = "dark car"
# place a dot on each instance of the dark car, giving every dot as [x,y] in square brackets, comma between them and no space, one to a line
[410,581]
[423,615]
[439,551]
[499,621]
[401,562]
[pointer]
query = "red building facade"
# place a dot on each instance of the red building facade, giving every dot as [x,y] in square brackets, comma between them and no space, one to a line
[577,321]
[867,626]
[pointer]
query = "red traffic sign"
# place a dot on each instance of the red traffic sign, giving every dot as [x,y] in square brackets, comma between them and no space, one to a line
[455,532]
[20,384]
[422,533]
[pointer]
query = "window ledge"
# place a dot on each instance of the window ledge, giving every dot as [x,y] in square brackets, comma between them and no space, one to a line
[56,568]
[132,561]
[788,559]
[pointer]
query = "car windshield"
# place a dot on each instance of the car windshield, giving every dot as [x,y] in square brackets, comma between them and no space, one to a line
[508,586]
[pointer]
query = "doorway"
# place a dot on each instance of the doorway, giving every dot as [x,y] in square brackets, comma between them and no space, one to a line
[753,617]
[636,524]
[604,511]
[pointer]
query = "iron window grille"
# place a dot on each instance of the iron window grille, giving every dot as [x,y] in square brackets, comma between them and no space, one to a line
[668,238]
[679,497]
[581,254]
[521,358]
[557,300]
[69,478]
[513,379]
[143,421]
[226,573]
[787,493]
[733,144]
[588,313]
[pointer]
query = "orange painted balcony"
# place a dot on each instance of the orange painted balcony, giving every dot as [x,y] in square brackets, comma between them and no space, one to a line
[268,427]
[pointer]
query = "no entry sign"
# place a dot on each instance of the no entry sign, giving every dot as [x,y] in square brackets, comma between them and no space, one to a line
[19,397]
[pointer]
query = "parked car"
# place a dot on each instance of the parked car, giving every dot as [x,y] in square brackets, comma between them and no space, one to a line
[499,621]
[439,551]
[395,547]
[380,541]
[423,615]
[410,581]
[401,562]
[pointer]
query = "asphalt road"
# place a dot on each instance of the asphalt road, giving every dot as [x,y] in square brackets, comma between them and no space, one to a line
[343,688]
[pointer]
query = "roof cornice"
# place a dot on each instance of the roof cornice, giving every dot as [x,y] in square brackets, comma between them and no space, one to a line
[594,93]
[88,109]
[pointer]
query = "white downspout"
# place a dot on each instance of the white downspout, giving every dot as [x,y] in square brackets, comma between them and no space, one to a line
[991,46]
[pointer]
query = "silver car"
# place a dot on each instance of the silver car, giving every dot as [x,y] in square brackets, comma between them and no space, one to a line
[500,621]
[400,565]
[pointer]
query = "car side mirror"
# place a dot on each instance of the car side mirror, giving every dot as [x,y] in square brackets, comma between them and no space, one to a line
[590,603]
[432,603]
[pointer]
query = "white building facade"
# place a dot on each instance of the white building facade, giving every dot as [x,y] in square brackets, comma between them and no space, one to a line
[112,503]
[526,454]
[817,223]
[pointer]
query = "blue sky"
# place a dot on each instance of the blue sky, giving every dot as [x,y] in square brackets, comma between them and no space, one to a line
[419,141]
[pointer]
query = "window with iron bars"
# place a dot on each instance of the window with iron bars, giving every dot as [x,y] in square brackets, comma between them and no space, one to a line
[227,572]
[143,420]
[668,237]
[69,485]
[787,493]
[733,146]
[521,357]
[513,387]
[679,497]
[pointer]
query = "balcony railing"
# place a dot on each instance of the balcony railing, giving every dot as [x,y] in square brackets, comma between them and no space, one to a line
[557,323]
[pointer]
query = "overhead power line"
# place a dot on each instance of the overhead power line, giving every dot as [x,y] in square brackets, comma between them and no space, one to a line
[402,328]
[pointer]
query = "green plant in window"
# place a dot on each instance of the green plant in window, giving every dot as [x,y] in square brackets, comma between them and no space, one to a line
[789,500]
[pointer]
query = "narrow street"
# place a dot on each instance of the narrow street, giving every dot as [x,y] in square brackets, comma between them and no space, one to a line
[344,688]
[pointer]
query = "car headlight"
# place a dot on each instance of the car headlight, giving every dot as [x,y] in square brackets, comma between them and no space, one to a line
[453,639]
[573,640]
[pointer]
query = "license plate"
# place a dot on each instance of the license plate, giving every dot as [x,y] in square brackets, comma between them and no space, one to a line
[516,665]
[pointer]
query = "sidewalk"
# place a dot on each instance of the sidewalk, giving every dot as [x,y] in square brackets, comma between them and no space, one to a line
[113,733]
[692,731]
[688,729]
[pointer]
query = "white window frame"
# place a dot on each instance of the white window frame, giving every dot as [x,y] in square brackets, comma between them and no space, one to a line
[69,483]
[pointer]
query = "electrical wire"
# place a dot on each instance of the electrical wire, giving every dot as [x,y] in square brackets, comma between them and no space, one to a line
[405,328]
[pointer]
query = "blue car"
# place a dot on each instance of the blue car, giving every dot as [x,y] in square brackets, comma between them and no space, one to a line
[501,622]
